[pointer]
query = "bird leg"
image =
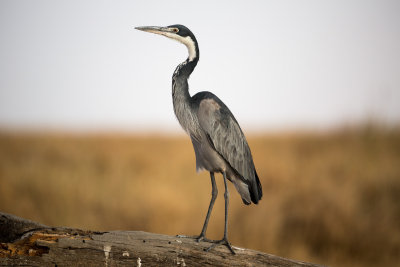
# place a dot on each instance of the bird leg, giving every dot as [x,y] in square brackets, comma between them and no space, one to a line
[214,194]
[224,240]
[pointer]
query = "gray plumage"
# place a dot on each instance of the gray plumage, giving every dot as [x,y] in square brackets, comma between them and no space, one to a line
[218,141]
[220,145]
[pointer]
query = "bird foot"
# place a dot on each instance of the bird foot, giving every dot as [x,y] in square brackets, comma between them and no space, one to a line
[201,237]
[198,238]
[223,241]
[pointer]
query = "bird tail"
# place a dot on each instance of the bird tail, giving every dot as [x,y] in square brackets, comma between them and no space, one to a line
[250,191]
[255,189]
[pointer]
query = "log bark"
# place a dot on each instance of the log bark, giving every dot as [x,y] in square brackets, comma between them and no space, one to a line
[23,242]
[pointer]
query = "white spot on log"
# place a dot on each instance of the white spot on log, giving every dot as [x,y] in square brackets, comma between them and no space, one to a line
[178,241]
[139,264]
[180,261]
[107,250]
[125,253]
[237,248]
[31,252]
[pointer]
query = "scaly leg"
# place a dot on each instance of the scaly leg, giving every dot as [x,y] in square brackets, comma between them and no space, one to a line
[214,193]
[224,240]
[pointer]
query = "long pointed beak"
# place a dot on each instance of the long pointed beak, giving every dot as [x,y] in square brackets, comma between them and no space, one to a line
[154,29]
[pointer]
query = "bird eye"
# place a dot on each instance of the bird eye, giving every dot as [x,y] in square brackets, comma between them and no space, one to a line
[175,30]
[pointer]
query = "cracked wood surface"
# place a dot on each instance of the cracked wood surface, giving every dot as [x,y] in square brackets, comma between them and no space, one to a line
[23,242]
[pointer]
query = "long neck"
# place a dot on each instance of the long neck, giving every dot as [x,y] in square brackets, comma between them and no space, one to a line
[181,97]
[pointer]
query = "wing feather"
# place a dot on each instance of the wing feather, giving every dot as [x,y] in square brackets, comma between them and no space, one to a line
[226,136]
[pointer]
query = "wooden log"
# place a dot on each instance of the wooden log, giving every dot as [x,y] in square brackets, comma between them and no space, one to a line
[23,242]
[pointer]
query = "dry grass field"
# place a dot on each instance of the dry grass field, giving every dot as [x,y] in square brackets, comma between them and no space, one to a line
[330,198]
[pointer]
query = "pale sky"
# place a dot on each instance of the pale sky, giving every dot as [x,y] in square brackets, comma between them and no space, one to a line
[275,64]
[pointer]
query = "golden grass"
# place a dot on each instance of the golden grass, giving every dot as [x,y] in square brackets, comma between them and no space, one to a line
[331,198]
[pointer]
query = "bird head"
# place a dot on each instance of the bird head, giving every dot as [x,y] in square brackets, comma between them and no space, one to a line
[179,33]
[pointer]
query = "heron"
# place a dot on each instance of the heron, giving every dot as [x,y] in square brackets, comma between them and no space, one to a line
[218,141]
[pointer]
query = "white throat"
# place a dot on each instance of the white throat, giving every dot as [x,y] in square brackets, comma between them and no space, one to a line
[186,41]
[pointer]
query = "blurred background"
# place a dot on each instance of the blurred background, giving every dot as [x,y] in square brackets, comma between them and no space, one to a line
[88,137]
